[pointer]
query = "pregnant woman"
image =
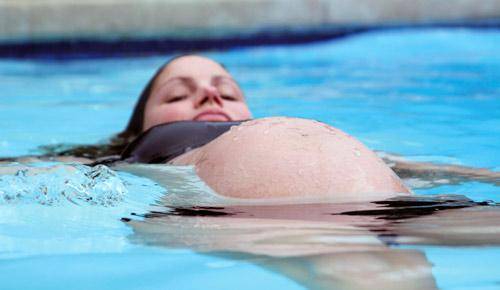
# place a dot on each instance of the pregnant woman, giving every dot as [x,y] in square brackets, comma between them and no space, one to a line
[271,157]
[194,113]
[262,158]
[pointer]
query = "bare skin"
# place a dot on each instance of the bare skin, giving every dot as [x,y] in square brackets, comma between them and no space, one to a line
[276,157]
[288,157]
[279,157]
[197,88]
[268,158]
[438,174]
[194,88]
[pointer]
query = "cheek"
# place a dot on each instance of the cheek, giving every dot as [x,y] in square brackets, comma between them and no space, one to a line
[240,112]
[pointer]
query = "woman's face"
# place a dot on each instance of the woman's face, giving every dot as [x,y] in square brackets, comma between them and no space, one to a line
[194,88]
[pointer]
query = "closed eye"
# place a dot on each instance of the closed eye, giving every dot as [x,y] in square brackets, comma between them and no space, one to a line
[176,99]
[228,98]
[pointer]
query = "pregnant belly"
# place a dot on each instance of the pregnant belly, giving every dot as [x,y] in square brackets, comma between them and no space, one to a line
[288,157]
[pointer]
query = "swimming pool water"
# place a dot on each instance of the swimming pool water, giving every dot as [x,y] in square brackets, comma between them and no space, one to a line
[427,94]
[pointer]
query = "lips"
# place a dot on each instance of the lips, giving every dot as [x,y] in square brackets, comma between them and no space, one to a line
[212,115]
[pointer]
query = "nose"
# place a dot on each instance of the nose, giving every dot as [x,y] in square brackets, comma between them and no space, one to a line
[209,94]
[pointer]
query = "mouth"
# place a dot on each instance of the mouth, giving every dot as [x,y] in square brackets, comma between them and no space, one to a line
[212,115]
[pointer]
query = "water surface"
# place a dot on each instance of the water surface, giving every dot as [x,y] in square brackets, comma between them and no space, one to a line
[428,95]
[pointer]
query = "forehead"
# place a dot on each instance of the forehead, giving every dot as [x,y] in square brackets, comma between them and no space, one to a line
[195,67]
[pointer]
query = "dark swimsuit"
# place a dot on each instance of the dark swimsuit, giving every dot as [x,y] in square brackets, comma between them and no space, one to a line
[164,142]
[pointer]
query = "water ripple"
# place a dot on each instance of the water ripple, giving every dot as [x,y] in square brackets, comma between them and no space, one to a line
[60,184]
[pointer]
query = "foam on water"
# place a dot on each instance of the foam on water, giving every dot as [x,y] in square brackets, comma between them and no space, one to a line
[59,184]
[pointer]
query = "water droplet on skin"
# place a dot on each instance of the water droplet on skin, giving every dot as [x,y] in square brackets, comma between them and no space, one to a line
[235,138]
[356,152]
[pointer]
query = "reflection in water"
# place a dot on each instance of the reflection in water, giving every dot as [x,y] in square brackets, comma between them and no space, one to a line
[328,246]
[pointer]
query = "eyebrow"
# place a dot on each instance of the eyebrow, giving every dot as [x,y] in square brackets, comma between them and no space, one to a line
[221,78]
[190,81]
[187,80]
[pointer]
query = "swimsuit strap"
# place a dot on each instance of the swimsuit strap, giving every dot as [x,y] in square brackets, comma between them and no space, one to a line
[164,142]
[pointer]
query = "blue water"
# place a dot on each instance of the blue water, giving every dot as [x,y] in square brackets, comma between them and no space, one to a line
[429,95]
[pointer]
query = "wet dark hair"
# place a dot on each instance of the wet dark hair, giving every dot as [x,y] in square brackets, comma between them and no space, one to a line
[135,124]
[118,142]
